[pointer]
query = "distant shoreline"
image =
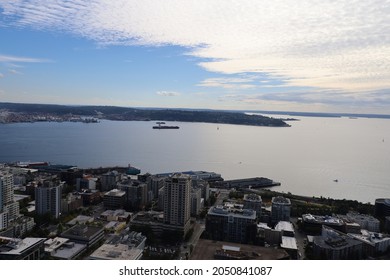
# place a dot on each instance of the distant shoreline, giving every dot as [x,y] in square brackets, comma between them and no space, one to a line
[15,113]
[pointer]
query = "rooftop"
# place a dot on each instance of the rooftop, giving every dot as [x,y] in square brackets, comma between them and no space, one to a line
[116,252]
[81,219]
[115,192]
[289,243]
[206,250]
[322,219]
[281,200]
[116,213]
[130,238]
[370,237]
[227,210]
[55,243]
[13,246]
[82,231]
[334,239]
[69,250]
[383,200]
[284,226]
[252,197]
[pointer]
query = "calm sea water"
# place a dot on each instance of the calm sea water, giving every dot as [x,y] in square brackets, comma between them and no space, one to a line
[306,158]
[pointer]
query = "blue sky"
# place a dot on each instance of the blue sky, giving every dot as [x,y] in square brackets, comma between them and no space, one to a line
[329,56]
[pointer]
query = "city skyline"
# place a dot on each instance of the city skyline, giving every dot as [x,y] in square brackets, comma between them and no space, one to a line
[249,55]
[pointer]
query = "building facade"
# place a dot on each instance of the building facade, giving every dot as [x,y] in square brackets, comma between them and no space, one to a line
[114,199]
[196,199]
[177,204]
[281,209]
[382,207]
[109,180]
[253,201]
[334,245]
[48,198]
[227,223]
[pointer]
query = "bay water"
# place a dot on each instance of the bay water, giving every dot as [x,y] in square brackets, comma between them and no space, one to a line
[330,157]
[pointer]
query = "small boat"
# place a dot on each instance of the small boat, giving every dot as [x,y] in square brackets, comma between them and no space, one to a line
[335,180]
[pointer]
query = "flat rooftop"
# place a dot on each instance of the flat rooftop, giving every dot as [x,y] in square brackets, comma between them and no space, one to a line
[116,252]
[81,219]
[205,250]
[81,231]
[289,243]
[69,250]
[232,211]
[17,246]
[115,192]
[322,219]
[285,226]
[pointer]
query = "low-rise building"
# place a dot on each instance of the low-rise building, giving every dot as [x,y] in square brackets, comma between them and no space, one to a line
[91,197]
[231,223]
[64,249]
[87,182]
[114,199]
[119,215]
[286,228]
[365,221]
[335,245]
[116,252]
[267,235]
[88,235]
[290,245]
[313,223]
[154,220]
[127,246]
[21,249]
[81,220]
[19,227]
[72,202]
[374,244]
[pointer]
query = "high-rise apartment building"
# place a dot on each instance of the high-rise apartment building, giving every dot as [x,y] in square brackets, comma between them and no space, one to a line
[254,202]
[281,209]
[48,198]
[9,209]
[177,204]
[6,189]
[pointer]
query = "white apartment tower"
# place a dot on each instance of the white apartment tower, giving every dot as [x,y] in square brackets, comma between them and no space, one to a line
[9,209]
[6,189]
[48,199]
[177,202]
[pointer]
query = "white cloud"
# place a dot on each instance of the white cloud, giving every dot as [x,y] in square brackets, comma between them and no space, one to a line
[15,72]
[334,45]
[1,75]
[228,83]
[168,93]
[8,58]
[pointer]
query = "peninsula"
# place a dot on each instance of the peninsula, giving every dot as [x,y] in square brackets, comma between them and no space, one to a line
[19,112]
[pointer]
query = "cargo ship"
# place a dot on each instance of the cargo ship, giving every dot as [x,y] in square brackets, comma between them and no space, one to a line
[161,125]
[131,170]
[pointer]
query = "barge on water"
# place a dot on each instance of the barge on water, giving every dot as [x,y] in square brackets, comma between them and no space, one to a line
[162,126]
[257,182]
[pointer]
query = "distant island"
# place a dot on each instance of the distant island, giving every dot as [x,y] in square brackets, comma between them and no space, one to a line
[19,112]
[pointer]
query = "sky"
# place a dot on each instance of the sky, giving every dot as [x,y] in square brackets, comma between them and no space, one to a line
[278,55]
